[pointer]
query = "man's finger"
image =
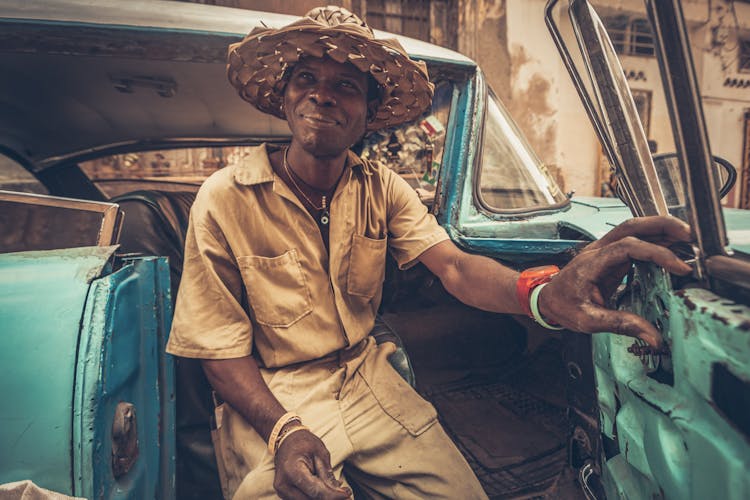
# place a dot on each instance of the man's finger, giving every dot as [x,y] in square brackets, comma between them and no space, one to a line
[600,319]
[313,486]
[323,470]
[630,248]
[662,230]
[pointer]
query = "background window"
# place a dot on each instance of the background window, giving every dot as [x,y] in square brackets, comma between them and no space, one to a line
[630,36]
[744,55]
[434,21]
[13,177]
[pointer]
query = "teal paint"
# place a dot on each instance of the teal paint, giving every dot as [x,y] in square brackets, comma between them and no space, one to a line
[78,339]
[674,441]
[738,229]
[42,296]
[125,327]
[463,125]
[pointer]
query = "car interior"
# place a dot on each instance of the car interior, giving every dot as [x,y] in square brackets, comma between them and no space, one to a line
[500,385]
[497,382]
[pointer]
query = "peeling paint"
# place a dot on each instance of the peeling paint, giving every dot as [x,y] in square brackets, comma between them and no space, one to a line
[689,303]
[719,318]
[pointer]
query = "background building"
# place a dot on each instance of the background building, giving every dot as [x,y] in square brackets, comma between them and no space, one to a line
[510,41]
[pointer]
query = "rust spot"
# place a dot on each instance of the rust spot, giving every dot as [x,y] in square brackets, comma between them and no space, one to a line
[689,303]
[720,318]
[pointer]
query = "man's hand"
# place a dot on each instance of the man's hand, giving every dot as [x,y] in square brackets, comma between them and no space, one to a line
[303,470]
[576,298]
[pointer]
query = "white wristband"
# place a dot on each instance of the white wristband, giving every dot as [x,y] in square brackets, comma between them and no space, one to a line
[534,303]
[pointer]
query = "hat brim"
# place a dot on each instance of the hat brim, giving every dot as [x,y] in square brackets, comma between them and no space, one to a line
[257,65]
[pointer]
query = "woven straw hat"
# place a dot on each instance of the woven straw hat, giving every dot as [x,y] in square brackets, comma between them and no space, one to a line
[259,65]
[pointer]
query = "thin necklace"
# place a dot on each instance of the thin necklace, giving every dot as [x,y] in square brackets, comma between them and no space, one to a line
[325,215]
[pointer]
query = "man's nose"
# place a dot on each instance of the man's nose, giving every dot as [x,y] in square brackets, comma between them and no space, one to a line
[323,95]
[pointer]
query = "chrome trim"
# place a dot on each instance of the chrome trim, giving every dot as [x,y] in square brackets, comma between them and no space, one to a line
[618,112]
[111,221]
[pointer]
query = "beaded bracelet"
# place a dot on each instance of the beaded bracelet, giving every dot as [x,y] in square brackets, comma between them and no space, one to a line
[534,303]
[280,423]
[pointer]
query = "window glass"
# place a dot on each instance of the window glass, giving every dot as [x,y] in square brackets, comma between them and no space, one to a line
[511,176]
[641,38]
[743,60]
[13,177]
[166,169]
[630,35]
[415,150]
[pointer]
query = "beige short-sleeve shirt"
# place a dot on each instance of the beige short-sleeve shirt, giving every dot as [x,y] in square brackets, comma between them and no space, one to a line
[257,277]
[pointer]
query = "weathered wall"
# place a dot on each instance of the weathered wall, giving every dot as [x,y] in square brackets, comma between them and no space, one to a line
[512,45]
[724,101]
[544,101]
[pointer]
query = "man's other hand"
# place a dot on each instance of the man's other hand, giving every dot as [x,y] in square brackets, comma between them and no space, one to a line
[576,298]
[303,470]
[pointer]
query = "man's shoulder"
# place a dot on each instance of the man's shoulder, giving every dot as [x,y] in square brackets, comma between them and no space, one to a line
[217,184]
[377,169]
[246,168]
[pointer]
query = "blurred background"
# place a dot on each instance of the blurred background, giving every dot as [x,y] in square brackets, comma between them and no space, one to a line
[510,42]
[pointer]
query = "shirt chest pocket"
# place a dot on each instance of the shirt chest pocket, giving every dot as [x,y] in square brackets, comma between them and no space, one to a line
[366,266]
[276,288]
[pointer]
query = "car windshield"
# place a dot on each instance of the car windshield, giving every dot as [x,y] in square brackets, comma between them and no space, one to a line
[511,177]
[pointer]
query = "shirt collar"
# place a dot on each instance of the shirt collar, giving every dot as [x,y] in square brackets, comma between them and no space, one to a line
[255,167]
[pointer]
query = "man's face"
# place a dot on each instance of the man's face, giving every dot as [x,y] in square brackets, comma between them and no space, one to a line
[326,105]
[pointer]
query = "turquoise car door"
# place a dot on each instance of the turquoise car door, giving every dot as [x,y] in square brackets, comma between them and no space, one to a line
[88,390]
[673,422]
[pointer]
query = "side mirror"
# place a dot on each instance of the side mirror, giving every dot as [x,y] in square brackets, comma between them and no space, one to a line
[668,169]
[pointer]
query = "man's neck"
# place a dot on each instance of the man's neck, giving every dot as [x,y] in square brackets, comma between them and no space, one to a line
[320,172]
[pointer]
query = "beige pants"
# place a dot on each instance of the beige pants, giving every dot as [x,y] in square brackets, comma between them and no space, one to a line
[379,431]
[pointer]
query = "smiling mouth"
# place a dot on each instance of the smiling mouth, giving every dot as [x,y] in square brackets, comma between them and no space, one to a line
[322,121]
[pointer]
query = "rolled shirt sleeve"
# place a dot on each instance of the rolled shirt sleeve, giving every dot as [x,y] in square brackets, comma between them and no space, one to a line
[411,228]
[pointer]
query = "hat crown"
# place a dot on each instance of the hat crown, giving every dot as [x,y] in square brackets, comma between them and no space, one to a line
[333,15]
[258,65]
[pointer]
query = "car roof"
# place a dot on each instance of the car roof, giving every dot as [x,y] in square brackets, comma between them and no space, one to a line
[82,76]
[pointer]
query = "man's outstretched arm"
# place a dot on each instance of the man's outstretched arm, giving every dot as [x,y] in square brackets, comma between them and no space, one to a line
[576,297]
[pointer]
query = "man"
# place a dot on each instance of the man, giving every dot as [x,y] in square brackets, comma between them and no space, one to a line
[283,271]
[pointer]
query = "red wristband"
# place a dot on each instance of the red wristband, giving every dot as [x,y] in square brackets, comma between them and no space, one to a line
[528,280]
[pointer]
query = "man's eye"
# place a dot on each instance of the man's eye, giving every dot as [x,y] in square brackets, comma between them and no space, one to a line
[348,85]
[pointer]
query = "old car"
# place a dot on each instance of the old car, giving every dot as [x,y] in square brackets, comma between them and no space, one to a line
[674,422]
[113,113]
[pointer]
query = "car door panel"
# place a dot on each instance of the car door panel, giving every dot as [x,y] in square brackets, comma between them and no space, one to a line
[42,296]
[124,393]
[93,414]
